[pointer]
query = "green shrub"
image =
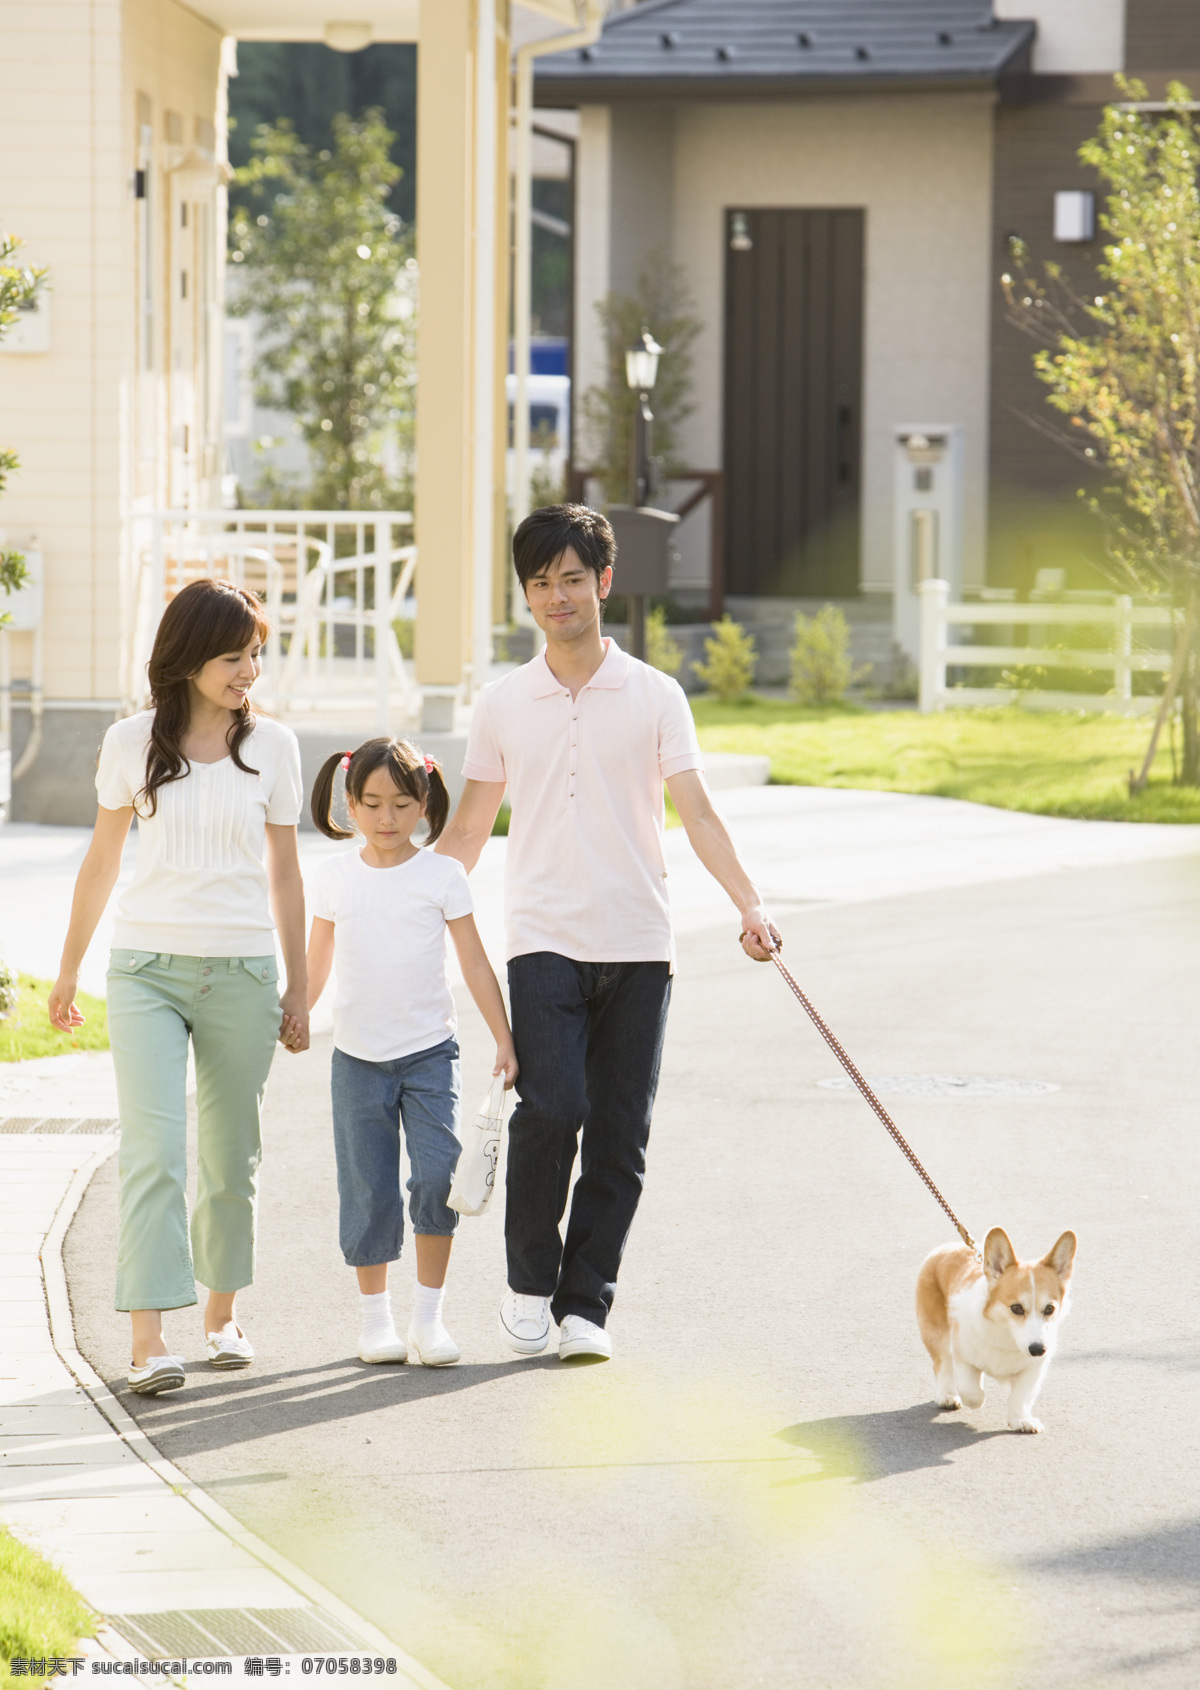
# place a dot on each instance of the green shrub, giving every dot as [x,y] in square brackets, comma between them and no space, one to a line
[821,665]
[40,1614]
[731,655]
[662,652]
[9,990]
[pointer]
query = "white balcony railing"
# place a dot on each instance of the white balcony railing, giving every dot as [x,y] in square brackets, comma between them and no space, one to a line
[334,583]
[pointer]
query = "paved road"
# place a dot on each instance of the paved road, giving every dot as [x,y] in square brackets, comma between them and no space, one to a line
[757,1490]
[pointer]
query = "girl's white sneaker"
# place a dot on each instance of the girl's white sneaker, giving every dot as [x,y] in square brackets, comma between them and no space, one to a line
[432,1345]
[383,1345]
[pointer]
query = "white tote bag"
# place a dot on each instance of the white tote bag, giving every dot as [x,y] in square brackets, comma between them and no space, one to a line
[475,1175]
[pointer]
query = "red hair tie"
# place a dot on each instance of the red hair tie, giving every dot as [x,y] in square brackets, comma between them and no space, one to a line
[345,763]
[429,765]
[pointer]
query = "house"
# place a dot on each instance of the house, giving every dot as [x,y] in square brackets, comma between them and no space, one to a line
[838,181]
[113,170]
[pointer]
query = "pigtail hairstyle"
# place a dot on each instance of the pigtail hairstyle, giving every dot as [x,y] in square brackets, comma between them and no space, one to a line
[321,802]
[410,770]
[206,619]
[437,805]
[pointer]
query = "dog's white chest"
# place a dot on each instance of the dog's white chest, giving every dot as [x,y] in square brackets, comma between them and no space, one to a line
[977,1341]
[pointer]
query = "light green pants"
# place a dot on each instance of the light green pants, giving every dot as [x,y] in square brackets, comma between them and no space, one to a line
[229,1007]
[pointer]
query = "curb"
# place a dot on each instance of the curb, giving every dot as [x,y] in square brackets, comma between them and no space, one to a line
[62,1334]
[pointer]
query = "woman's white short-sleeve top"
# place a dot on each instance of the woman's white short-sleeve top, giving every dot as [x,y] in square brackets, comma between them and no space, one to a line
[200,886]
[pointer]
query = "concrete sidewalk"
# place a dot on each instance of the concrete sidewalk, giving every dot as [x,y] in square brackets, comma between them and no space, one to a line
[171,1572]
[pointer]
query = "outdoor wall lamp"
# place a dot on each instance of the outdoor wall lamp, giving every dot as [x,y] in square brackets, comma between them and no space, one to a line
[1074,215]
[739,233]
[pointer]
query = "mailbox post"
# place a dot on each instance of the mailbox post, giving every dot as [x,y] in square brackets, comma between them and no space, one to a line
[928,535]
[643,537]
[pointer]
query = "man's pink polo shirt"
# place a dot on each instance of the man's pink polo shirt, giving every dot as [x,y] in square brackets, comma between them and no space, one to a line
[586,875]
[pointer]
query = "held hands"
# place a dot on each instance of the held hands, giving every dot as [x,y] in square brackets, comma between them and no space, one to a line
[61,1004]
[506,1063]
[293,1029]
[759,935]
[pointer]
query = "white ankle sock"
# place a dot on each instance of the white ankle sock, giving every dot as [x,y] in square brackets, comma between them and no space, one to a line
[376,1309]
[427,1304]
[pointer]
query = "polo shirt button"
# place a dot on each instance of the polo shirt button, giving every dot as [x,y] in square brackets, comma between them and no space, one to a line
[206,971]
[204,989]
[264,973]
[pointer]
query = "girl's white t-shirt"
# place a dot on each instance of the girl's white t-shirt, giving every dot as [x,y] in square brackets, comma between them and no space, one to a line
[389,950]
[200,887]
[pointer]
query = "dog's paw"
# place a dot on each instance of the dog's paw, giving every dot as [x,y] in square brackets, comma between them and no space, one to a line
[948,1403]
[1026,1424]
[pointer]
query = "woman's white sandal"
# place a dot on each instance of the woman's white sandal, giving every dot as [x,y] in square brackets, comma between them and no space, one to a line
[229,1347]
[161,1373]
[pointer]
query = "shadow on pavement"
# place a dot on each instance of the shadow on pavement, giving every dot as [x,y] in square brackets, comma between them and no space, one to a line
[248,1406]
[864,1447]
[1171,1555]
[1159,1562]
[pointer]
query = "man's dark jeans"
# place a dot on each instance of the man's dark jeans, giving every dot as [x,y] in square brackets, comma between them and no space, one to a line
[589,1038]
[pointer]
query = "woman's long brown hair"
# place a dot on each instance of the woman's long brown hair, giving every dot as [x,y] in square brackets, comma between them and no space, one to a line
[207,619]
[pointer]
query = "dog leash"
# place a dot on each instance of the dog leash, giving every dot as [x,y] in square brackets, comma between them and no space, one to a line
[870,1097]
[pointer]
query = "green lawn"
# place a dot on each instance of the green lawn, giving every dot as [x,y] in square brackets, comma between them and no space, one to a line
[1054,765]
[41,1616]
[27,1031]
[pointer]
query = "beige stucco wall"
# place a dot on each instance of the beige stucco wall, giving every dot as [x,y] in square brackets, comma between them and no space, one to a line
[70,74]
[921,167]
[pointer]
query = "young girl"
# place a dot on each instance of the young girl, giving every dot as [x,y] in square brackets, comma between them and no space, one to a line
[383,910]
[217,793]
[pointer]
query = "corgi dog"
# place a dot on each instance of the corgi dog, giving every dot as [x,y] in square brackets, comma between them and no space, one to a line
[1000,1319]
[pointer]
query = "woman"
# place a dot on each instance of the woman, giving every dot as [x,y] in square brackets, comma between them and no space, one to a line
[215,788]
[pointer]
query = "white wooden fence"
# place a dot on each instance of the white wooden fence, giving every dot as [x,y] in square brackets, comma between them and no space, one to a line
[332,582]
[1121,656]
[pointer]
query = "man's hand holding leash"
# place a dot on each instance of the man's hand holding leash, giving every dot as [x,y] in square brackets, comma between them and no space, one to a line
[759,937]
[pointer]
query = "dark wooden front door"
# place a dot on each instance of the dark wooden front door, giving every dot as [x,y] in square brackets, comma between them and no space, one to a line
[793,401]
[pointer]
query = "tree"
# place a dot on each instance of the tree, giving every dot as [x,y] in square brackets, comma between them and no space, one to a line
[660,303]
[19,287]
[1123,367]
[310,83]
[331,277]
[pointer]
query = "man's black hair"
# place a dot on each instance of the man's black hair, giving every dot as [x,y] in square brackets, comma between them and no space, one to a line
[547,533]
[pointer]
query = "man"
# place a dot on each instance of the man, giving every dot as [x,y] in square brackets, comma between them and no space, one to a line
[583,737]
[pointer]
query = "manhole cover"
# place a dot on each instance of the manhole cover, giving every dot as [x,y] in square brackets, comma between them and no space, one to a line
[943,1085]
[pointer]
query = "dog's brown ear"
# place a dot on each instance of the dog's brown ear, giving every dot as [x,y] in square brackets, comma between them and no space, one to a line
[998,1253]
[1062,1257]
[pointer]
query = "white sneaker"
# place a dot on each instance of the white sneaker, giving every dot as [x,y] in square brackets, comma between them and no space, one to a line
[432,1345]
[161,1373]
[384,1345]
[582,1340]
[229,1347]
[525,1323]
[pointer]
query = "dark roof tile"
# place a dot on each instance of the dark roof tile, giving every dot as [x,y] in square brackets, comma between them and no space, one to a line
[679,47]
